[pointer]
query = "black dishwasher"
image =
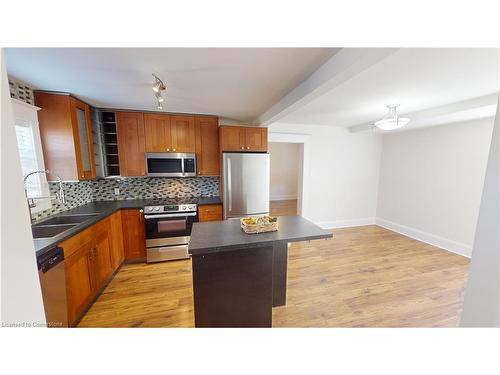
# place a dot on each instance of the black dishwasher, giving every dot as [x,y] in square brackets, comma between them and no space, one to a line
[53,284]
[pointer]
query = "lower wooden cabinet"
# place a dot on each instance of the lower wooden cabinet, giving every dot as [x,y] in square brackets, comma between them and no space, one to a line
[80,285]
[133,234]
[91,258]
[211,212]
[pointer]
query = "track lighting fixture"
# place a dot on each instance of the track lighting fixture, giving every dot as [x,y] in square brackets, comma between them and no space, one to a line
[158,87]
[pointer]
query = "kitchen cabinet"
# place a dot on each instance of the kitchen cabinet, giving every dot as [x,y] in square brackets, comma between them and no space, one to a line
[210,212]
[80,284]
[89,264]
[169,133]
[256,139]
[133,234]
[239,138]
[117,239]
[66,135]
[207,146]
[232,138]
[102,256]
[131,143]
[157,132]
[183,133]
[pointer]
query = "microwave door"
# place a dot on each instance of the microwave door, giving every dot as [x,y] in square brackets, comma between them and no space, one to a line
[158,164]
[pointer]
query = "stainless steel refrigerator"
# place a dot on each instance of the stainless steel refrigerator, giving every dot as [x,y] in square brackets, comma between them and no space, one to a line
[245,183]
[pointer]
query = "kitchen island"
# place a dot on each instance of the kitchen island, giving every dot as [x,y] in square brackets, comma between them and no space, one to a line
[237,277]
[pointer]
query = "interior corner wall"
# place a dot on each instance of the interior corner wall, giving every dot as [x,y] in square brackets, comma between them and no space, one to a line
[21,297]
[342,178]
[285,165]
[431,181]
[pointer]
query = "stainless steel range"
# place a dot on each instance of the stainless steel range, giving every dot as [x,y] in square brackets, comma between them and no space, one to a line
[168,228]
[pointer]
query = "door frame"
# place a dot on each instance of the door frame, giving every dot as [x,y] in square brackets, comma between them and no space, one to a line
[303,205]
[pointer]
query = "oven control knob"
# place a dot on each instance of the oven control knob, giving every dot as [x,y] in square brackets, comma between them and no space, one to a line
[150,209]
[183,208]
[157,208]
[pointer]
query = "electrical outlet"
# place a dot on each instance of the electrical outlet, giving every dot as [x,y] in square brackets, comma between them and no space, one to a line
[117,191]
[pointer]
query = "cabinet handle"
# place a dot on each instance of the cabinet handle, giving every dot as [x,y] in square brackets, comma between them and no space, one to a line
[242,148]
[248,148]
[173,149]
[168,149]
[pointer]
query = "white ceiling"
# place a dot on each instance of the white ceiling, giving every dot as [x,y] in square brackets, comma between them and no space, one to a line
[234,83]
[417,79]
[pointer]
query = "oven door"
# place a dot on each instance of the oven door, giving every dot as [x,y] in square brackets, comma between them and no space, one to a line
[169,229]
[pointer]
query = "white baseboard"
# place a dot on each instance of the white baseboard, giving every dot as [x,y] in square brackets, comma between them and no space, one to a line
[282,197]
[346,223]
[443,243]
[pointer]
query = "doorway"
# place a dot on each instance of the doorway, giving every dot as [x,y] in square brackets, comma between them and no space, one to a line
[286,162]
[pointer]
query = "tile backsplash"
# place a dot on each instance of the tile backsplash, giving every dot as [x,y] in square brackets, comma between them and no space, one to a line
[79,193]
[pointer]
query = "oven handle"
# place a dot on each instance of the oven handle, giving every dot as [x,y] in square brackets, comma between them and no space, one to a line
[169,215]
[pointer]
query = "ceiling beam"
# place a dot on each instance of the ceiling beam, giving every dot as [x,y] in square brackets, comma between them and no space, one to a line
[342,66]
[465,110]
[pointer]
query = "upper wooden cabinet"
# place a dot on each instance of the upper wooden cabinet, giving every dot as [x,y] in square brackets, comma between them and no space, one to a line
[131,143]
[169,133]
[207,146]
[66,134]
[238,138]
[183,133]
[157,131]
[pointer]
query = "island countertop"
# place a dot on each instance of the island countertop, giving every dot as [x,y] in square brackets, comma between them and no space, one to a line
[216,236]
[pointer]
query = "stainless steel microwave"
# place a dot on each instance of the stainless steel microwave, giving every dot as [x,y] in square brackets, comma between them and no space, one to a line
[170,164]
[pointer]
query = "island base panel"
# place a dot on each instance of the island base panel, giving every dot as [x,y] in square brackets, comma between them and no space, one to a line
[280,265]
[234,288]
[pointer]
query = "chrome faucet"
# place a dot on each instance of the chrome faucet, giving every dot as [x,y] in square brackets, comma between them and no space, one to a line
[31,200]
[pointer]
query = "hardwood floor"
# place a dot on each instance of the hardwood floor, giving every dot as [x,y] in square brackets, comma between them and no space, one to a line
[363,277]
[283,208]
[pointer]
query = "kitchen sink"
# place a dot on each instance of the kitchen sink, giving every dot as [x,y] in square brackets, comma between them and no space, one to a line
[49,231]
[66,219]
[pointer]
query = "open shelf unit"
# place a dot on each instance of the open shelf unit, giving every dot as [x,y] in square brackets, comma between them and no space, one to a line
[109,144]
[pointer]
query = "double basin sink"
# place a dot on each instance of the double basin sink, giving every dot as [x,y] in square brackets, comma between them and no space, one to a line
[57,225]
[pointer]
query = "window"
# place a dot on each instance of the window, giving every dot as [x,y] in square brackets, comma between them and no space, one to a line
[30,152]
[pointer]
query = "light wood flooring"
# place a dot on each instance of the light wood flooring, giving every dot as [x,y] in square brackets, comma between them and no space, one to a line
[283,208]
[363,277]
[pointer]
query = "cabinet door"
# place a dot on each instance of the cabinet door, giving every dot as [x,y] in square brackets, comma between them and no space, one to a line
[134,239]
[131,144]
[210,212]
[80,288]
[183,133]
[103,259]
[256,139]
[207,146]
[84,142]
[157,132]
[232,138]
[117,239]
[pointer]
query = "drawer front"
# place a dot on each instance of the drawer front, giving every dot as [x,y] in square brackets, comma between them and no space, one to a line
[211,212]
[159,254]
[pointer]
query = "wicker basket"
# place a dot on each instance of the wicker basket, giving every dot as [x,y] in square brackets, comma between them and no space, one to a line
[258,228]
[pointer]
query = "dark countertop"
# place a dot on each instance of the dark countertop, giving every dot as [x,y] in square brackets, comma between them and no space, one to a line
[202,201]
[227,235]
[103,209]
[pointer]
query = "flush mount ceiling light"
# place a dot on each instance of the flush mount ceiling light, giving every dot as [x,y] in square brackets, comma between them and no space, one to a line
[158,87]
[392,121]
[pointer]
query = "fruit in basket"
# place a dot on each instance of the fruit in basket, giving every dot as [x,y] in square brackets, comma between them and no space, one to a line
[260,220]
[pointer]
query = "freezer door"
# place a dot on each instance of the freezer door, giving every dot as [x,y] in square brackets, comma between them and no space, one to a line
[246,184]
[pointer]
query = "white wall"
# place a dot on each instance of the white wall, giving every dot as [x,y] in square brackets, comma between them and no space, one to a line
[431,181]
[285,165]
[482,295]
[20,289]
[341,175]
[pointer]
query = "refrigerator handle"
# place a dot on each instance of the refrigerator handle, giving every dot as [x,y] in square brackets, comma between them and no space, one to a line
[230,199]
